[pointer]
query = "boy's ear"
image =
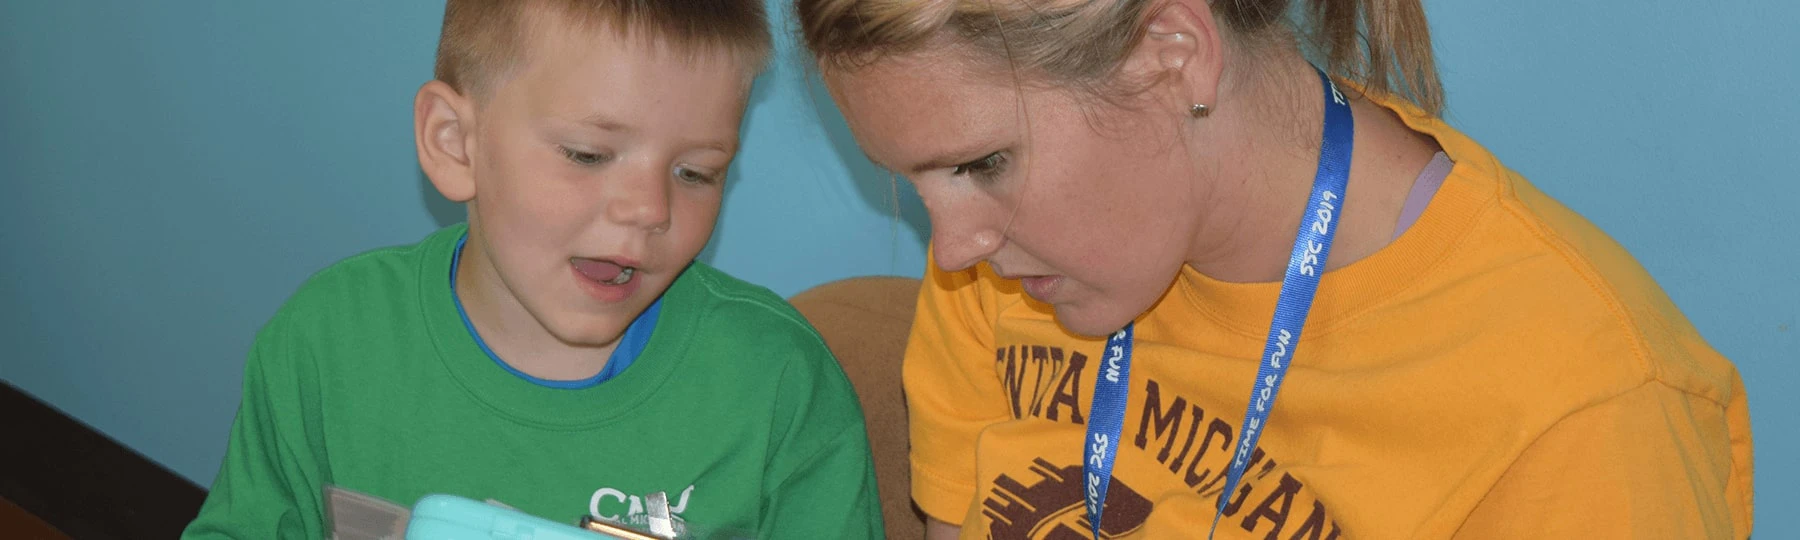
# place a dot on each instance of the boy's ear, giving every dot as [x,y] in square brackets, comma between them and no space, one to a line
[443,123]
[1182,46]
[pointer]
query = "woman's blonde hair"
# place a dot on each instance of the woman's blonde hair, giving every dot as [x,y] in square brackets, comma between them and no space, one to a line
[1382,45]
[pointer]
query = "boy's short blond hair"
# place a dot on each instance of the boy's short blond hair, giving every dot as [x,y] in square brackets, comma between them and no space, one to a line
[482,39]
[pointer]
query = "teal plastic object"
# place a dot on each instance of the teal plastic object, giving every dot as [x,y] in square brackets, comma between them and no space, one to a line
[449,517]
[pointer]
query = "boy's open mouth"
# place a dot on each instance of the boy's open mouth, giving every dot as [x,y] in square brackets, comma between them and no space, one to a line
[604,271]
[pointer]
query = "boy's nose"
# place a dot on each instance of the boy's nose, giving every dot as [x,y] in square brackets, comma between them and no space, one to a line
[643,202]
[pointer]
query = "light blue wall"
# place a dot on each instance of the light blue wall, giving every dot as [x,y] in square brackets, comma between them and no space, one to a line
[1675,127]
[171,173]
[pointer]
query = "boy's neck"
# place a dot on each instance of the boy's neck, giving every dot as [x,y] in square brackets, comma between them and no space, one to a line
[512,333]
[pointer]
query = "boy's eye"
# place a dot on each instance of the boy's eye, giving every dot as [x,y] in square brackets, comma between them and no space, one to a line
[584,158]
[987,167]
[694,176]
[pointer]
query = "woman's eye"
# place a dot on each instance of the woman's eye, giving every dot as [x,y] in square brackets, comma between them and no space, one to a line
[694,176]
[584,158]
[988,166]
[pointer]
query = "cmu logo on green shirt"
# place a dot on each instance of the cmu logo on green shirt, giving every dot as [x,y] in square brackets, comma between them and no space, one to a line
[618,506]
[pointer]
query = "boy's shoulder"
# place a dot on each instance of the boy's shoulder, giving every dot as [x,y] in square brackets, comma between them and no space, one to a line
[373,284]
[732,306]
[748,331]
[754,337]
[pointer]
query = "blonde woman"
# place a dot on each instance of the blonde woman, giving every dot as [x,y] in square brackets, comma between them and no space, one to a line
[1187,283]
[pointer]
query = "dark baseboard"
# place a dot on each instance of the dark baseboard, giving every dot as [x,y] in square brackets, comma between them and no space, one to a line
[82,482]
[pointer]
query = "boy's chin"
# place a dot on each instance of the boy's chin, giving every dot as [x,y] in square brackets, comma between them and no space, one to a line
[579,328]
[587,332]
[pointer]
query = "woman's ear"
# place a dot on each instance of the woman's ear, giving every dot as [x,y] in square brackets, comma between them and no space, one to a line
[1182,52]
[443,128]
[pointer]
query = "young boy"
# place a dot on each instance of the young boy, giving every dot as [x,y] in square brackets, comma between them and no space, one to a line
[562,354]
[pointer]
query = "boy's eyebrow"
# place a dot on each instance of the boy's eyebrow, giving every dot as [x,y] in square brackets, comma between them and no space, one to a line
[721,146]
[600,120]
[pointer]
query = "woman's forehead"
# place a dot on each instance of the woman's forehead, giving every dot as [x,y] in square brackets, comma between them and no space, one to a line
[907,113]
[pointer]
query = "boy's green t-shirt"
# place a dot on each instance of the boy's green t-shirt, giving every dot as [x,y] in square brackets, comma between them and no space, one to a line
[367,379]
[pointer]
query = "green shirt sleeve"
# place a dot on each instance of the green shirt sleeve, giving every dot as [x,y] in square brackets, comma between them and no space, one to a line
[270,485]
[821,478]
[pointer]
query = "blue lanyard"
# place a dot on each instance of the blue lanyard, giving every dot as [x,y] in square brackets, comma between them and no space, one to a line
[1307,262]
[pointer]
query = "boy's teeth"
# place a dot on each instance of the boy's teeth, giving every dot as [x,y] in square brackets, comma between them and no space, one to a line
[624,276]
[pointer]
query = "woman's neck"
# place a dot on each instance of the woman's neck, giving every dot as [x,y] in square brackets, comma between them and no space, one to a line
[1262,148]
